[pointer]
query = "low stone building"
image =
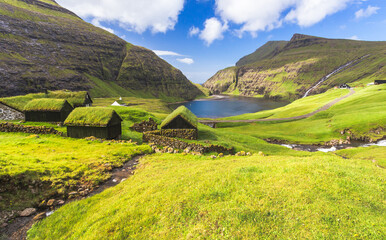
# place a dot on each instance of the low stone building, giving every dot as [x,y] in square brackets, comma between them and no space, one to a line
[181,123]
[378,82]
[344,86]
[8,113]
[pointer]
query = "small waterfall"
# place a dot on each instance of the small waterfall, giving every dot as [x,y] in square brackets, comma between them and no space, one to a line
[332,73]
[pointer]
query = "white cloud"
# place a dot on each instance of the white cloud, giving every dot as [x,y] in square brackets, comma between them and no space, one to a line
[213,30]
[355,37]
[133,15]
[194,31]
[97,23]
[363,13]
[186,60]
[166,53]
[260,15]
[307,13]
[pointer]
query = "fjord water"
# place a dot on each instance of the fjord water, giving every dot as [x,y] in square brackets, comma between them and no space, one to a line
[225,106]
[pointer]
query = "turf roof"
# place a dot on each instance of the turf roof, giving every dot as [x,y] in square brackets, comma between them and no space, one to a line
[19,102]
[90,116]
[183,112]
[45,104]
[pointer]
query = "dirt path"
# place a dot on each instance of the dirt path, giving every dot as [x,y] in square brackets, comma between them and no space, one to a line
[17,229]
[325,107]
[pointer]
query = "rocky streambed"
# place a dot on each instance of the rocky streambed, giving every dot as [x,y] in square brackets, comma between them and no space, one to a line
[332,148]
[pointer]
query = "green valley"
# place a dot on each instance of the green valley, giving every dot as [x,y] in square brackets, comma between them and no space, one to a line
[104,139]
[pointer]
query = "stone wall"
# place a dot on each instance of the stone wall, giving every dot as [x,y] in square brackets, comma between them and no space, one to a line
[156,138]
[8,113]
[10,127]
[191,134]
[145,126]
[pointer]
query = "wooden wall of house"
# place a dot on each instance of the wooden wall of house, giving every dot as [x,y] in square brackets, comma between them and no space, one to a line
[110,132]
[40,116]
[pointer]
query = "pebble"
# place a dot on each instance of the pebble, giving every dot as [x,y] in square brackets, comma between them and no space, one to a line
[27,212]
[40,216]
[49,213]
[50,202]
[114,180]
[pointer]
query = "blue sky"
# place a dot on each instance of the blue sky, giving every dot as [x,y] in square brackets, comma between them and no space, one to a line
[201,37]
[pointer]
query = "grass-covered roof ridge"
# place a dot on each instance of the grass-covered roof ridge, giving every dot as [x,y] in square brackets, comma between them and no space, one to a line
[183,112]
[19,102]
[90,116]
[45,104]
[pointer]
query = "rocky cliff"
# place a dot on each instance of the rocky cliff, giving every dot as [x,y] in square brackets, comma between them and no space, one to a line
[44,46]
[286,70]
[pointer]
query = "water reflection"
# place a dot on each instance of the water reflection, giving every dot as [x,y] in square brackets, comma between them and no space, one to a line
[226,106]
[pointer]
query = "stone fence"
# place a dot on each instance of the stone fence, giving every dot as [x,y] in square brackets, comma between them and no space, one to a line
[145,126]
[190,134]
[10,127]
[156,138]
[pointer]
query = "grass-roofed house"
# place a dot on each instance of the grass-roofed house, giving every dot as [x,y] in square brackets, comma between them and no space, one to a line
[76,99]
[95,121]
[47,110]
[181,123]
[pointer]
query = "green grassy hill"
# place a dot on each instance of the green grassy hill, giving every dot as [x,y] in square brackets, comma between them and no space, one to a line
[45,46]
[287,69]
[277,194]
[268,50]
[187,197]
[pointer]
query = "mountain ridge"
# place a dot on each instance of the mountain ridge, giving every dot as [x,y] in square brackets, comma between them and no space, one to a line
[49,47]
[288,70]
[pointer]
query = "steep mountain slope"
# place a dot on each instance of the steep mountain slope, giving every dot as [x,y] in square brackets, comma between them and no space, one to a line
[266,51]
[43,45]
[277,71]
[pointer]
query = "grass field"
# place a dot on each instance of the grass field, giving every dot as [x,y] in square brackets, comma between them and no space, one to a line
[360,113]
[283,194]
[61,163]
[187,197]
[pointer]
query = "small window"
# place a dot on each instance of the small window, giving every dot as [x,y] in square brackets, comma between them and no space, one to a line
[1,111]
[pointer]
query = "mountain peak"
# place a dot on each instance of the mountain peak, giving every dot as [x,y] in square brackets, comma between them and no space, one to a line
[298,36]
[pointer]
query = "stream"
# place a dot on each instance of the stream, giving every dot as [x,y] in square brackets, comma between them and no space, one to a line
[356,61]
[316,148]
